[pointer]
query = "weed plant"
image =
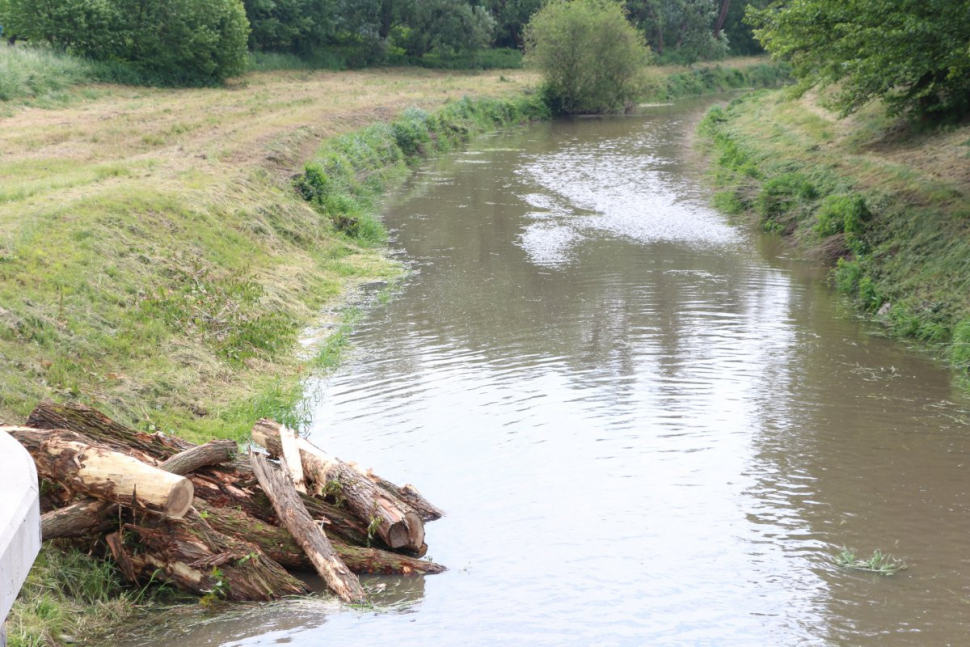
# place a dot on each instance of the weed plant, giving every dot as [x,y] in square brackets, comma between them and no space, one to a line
[879,562]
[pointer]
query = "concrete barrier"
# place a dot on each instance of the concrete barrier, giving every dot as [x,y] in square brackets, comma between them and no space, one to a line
[19,521]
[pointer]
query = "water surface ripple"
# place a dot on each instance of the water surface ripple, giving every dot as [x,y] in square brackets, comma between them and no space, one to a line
[647,425]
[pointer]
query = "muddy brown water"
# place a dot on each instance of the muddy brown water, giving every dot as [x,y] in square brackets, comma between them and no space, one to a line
[649,426]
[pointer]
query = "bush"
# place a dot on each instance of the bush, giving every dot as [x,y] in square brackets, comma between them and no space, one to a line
[181,42]
[841,214]
[591,57]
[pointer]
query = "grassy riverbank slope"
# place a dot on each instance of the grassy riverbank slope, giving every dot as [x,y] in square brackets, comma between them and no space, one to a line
[886,201]
[155,260]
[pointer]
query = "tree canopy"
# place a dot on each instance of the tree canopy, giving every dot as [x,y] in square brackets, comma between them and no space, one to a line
[589,54]
[177,41]
[912,54]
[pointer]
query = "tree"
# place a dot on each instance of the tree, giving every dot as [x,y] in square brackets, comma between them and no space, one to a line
[590,56]
[912,54]
[445,27]
[290,26]
[176,41]
[512,16]
[687,29]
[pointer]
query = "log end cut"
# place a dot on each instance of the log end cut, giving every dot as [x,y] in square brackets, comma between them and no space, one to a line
[180,499]
[407,533]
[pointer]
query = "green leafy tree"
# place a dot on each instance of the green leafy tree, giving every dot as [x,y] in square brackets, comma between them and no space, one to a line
[175,41]
[445,27]
[912,54]
[590,56]
[686,30]
[290,26]
[512,17]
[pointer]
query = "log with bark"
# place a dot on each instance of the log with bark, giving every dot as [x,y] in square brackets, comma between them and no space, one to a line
[91,516]
[241,522]
[279,545]
[406,493]
[279,487]
[71,461]
[94,424]
[199,559]
[395,522]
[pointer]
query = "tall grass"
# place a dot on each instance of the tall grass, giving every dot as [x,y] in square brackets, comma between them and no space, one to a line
[711,80]
[31,73]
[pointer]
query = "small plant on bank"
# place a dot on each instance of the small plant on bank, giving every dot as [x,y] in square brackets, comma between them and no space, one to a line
[879,562]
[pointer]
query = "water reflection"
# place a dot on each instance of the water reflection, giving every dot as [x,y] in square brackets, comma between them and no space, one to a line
[644,430]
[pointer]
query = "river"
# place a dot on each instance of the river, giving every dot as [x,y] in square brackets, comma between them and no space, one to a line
[648,425]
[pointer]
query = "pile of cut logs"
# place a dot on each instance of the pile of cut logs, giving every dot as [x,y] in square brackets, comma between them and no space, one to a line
[210,521]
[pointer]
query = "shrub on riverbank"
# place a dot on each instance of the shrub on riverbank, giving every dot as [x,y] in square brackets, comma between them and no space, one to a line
[714,79]
[892,214]
[590,56]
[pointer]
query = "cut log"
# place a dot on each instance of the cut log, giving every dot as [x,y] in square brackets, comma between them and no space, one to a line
[81,519]
[408,493]
[111,476]
[197,558]
[92,516]
[280,546]
[290,458]
[213,452]
[94,424]
[395,522]
[293,515]
[231,490]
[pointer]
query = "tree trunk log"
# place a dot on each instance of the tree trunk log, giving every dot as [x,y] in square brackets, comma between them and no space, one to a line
[92,517]
[289,508]
[81,519]
[408,494]
[213,452]
[230,490]
[197,558]
[96,425]
[107,474]
[280,546]
[394,521]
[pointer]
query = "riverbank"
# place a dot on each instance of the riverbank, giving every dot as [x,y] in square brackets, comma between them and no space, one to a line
[157,263]
[886,202]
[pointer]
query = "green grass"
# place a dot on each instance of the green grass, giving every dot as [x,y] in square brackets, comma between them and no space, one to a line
[70,595]
[879,562]
[28,73]
[666,86]
[896,232]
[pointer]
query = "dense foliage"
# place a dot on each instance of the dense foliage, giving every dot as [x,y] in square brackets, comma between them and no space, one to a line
[912,54]
[682,29]
[589,54]
[176,41]
[205,41]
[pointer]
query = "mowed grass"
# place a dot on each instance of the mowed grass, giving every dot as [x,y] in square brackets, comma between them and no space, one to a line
[887,200]
[155,260]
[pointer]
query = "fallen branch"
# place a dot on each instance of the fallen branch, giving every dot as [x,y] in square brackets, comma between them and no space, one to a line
[293,515]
